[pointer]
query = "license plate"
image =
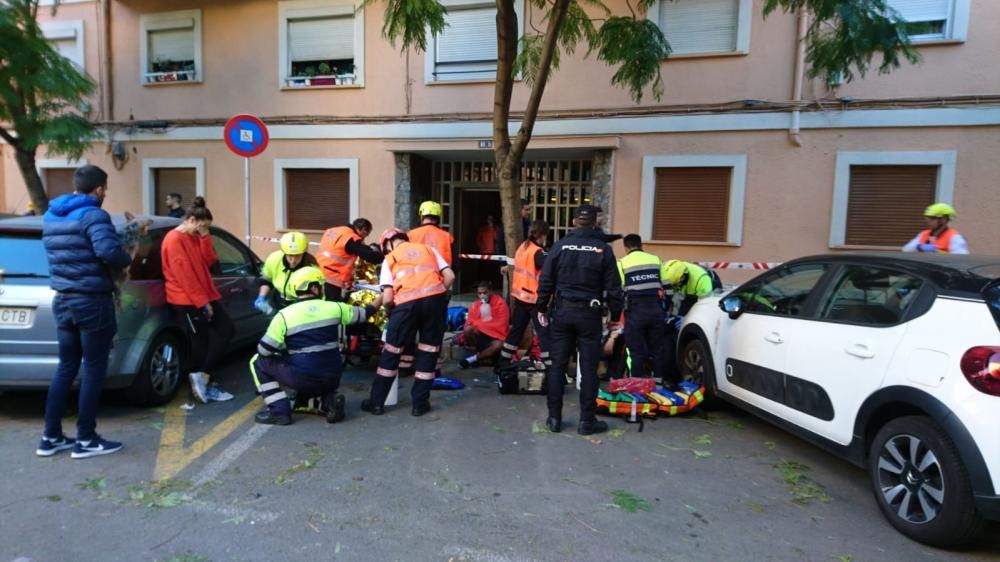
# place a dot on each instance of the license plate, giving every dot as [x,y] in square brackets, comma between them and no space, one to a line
[16,317]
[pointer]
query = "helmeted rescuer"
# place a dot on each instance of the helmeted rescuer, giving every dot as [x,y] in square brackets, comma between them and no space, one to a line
[339,248]
[578,279]
[528,262]
[430,233]
[642,277]
[939,237]
[277,271]
[301,350]
[415,280]
[689,280]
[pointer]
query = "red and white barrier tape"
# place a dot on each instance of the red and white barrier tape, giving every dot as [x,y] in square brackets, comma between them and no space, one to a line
[753,265]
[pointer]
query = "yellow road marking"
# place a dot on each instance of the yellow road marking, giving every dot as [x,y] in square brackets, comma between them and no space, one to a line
[172,456]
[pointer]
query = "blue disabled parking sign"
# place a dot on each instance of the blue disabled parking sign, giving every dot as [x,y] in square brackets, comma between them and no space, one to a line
[246,135]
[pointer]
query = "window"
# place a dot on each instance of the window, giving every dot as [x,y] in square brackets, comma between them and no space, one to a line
[315,194]
[785,291]
[930,20]
[147,265]
[467,48]
[693,199]
[57,175]
[871,296]
[698,27]
[170,47]
[880,197]
[233,258]
[321,44]
[161,176]
[67,38]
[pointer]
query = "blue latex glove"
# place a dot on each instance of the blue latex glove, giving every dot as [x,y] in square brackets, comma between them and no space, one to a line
[676,322]
[927,248]
[262,305]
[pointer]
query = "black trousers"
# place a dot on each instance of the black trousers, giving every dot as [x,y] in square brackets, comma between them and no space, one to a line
[646,337]
[422,319]
[271,372]
[574,328]
[521,315]
[209,338]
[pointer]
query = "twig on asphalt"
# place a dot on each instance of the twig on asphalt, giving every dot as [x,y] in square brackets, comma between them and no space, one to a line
[175,535]
[313,527]
[584,524]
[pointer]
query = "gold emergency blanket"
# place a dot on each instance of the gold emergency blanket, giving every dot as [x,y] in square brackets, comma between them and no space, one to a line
[366,273]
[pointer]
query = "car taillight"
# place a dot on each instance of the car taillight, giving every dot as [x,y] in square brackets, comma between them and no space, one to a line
[981,366]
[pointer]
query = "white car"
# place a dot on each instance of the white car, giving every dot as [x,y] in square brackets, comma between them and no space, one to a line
[891,361]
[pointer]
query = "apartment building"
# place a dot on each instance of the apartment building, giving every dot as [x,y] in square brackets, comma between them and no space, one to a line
[743,159]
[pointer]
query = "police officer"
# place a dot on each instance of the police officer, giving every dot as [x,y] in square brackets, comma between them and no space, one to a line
[301,350]
[415,281]
[277,272]
[642,279]
[431,234]
[528,262]
[339,249]
[578,276]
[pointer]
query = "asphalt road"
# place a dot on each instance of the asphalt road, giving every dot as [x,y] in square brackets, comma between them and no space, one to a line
[476,479]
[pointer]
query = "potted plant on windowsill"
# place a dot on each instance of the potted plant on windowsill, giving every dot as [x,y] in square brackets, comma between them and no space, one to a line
[324,76]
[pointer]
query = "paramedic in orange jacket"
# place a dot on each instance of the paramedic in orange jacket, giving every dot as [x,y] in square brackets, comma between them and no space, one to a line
[339,249]
[939,237]
[430,233]
[415,282]
[528,261]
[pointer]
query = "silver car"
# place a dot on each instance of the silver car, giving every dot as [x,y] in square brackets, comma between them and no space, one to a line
[149,351]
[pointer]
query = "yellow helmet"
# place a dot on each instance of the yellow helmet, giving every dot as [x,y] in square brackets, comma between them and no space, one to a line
[302,278]
[675,270]
[294,243]
[430,209]
[940,211]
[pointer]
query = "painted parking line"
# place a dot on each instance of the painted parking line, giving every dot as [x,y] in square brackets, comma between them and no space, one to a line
[172,456]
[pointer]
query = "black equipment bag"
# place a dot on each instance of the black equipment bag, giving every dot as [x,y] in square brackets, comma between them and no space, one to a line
[521,377]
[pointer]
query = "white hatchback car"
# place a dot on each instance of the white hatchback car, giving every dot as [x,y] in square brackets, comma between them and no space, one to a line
[891,361]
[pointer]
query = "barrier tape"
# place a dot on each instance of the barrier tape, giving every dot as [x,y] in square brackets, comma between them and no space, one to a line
[746,265]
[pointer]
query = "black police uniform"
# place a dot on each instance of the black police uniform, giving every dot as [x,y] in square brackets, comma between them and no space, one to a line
[580,276]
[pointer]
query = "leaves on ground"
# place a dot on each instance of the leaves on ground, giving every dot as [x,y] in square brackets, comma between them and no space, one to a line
[94,484]
[54,498]
[628,502]
[161,493]
[844,558]
[703,439]
[756,507]
[617,432]
[770,445]
[804,490]
[286,476]
[698,453]
[735,425]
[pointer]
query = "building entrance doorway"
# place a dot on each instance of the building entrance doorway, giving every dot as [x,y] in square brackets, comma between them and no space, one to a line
[478,231]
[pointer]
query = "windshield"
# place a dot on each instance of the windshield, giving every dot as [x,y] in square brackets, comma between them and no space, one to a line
[22,255]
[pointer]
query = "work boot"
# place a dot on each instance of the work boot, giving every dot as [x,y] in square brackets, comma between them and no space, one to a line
[554,424]
[590,427]
[420,409]
[267,418]
[334,407]
[375,403]
[367,406]
[421,396]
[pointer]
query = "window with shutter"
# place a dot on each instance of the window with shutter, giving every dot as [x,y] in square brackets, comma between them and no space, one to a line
[926,19]
[704,26]
[467,48]
[691,204]
[182,181]
[170,49]
[321,47]
[58,181]
[885,204]
[317,199]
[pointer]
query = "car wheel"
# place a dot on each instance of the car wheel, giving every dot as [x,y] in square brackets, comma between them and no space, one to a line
[921,485]
[696,365]
[160,372]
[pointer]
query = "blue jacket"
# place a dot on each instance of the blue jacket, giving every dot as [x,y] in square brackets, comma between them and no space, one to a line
[82,245]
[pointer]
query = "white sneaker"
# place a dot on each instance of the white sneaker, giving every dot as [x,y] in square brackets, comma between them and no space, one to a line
[199,386]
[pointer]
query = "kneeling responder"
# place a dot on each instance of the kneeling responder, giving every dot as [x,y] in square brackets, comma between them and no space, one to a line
[939,237]
[578,274]
[278,269]
[301,350]
[339,249]
[528,262]
[415,280]
[642,279]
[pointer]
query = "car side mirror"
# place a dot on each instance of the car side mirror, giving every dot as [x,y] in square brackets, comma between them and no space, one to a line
[732,305]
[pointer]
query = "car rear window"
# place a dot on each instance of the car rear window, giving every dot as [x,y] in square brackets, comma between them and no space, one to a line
[22,255]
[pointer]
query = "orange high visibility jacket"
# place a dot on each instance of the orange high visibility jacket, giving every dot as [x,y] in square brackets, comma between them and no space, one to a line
[435,237]
[942,242]
[524,281]
[415,273]
[337,264]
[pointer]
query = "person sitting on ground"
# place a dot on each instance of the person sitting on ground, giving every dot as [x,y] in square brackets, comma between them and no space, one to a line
[301,351]
[486,326]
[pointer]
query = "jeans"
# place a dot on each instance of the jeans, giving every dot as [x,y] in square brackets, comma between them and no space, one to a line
[86,327]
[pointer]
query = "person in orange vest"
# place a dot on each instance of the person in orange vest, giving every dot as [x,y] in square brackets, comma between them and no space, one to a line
[339,249]
[430,233]
[528,262]
[939,237]
[415,281]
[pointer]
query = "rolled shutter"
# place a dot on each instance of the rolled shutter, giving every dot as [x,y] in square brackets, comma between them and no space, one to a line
[321,39]
[171,40]
[700,26]
[174,180]
[885,204]
[470,36]
[58,181]
[922,10]
[692,204]
[317,199]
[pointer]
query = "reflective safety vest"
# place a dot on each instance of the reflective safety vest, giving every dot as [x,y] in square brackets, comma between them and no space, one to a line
[435,237]
[337,264]
[308,332]
[943,242]
[415,273]
[640,273]
[277,274]
[699,281]
[524,281]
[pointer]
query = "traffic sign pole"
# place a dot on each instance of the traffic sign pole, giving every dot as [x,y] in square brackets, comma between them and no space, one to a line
[247,136]
[246,193]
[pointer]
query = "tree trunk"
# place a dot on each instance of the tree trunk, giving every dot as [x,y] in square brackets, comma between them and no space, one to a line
[29,171]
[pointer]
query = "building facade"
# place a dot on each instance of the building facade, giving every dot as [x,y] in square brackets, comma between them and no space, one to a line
[744,159]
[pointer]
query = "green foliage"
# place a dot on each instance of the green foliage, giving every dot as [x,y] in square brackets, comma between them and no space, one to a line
[845,36]
[628,502]
[42,95]
[409,20]
[636,47]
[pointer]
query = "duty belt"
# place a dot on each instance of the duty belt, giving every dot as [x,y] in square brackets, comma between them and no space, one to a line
[592,303]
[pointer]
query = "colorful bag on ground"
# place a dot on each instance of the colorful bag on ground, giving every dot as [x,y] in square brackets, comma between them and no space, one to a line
[456,318]
[620,404]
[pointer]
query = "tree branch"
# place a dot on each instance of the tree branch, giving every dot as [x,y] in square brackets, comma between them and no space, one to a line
[8,138]
[507,37]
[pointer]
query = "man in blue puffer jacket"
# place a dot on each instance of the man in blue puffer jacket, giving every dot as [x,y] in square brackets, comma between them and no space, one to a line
[83,249]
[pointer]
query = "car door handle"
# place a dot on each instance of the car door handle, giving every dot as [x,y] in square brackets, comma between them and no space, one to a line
[774,337]
[860,350]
